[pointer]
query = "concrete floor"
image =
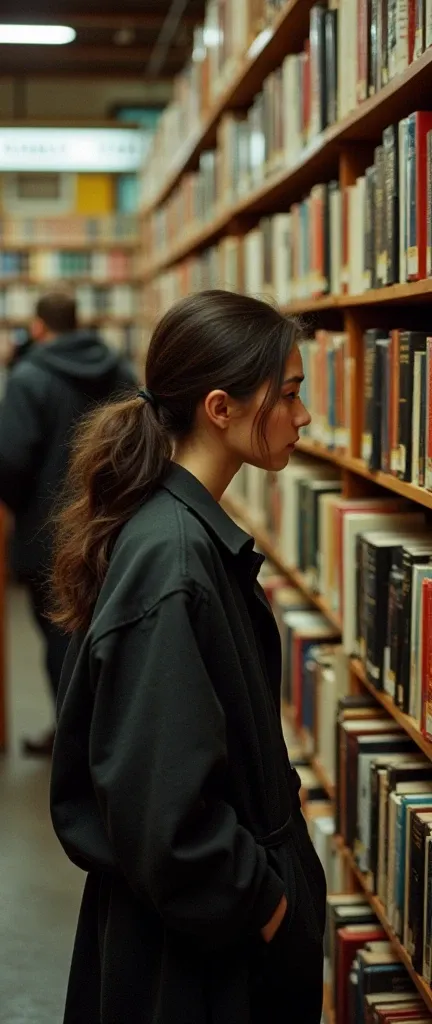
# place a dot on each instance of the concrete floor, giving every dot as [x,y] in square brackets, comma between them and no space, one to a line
[39,889]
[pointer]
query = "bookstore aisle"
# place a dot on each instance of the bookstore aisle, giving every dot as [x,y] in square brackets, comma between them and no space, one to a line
[39,890]
[302,172]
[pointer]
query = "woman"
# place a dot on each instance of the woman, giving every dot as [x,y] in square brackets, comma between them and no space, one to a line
[171,785]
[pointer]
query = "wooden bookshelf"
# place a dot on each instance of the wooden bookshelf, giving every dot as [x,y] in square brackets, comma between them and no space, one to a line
[292,24]
[354,465]
[89,246]
[395,100]
[399,949]
[405,721]
[265,543]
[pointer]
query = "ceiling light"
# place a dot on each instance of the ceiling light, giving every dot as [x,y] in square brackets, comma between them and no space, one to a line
[40,35]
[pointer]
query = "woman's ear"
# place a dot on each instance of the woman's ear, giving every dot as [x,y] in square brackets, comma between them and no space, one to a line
[219,409]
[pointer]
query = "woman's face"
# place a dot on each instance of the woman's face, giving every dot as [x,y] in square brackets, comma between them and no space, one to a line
[282,426]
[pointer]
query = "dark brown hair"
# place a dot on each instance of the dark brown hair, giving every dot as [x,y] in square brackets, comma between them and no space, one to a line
[216,339]
[57,309]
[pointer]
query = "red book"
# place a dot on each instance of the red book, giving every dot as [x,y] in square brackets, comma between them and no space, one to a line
[428,466]
[426,656]
[348,941]
[412,24]
[419,124]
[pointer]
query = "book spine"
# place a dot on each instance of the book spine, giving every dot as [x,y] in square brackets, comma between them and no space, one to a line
[416,419]
[403,192]
[392,38]
[428,424]
[419,30]
[369,372]
[426,660]
[373,48]
[422,420]
[415,947]
[383,70]
[380,256]
[429,204]
[407,348]
[385,354]
[392,203]
[427,918]
[428,23]
[362,50]
[331,50]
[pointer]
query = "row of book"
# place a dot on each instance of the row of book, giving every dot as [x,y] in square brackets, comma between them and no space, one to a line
[367,981]
[123,338]
[17,303]
[395,411]
[109,229]
[373,233]
[230,28]
[354,49]
[49,265]
[370,559]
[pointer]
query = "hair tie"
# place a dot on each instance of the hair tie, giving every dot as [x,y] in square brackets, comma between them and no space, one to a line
[148,396]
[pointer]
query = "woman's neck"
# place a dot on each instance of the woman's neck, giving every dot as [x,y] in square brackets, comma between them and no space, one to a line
[214,470]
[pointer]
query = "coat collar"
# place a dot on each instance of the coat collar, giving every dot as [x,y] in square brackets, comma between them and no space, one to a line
[187,489]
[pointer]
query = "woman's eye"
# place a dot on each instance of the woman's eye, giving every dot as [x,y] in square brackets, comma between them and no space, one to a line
[292,396]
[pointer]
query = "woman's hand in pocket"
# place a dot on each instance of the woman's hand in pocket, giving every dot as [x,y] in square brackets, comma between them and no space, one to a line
[269,931]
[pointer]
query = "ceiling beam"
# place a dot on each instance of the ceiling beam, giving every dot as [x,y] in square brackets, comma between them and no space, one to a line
[28,56]
[107,19]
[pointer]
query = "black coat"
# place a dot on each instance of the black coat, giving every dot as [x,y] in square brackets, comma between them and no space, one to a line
[172,787]
[47,392]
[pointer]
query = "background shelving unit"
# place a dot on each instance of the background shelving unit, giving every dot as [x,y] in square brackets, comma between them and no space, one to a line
[342,150]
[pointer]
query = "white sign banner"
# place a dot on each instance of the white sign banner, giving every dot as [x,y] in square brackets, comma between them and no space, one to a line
[113,150]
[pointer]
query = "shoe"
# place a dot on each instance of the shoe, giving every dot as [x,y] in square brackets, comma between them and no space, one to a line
[42,747]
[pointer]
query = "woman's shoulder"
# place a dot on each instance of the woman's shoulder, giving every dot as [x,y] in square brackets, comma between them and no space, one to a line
[161,550]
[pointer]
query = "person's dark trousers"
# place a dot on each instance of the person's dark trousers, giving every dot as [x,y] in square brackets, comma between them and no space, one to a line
[56,642]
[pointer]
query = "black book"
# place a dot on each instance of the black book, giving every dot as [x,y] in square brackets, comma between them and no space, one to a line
[317,40]
[380,240]
[382,346]
[331,51]
[369,348]
[371,434]
[348,703]
[410,342]
[429,204]
[394,609]
[373,48]
[370,268]
[422,423]
[391,228]
[386,369]
[377,558]
[383,42]
[421,826]
[411,556]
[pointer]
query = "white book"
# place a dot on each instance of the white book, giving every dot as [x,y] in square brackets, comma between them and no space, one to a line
[419,357]
[281,257]
[428,23]
[254,263]
[298,470]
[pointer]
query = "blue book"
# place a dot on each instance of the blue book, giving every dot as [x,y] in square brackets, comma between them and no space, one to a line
[380,976]
[409,800]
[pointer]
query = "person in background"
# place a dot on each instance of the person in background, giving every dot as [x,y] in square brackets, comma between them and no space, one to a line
[65,372]
[171,783]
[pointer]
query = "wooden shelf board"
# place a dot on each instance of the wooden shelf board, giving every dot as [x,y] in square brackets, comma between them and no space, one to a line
[405,721]
[292,24]
[328,1010]
[377,907]
[267,546]
[354,465]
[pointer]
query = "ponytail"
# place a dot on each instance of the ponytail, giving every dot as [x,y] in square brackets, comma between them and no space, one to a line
[120,454]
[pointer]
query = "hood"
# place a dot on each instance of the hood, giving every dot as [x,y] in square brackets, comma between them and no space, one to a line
[81,356]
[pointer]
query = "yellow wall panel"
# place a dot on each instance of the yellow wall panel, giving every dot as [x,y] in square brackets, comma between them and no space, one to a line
[95,194]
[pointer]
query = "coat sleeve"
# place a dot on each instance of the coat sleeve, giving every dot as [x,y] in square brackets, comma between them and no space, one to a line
[158,760]
[21,437]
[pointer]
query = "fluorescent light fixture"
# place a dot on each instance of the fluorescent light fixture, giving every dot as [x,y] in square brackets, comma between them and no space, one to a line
[37,35]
